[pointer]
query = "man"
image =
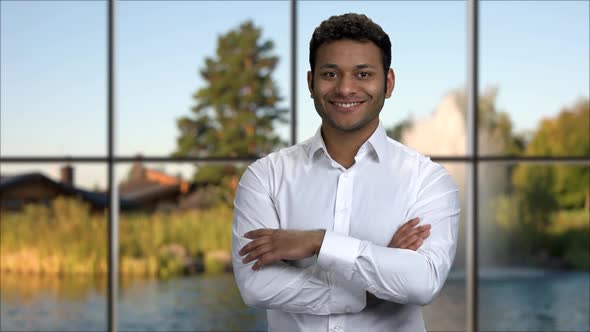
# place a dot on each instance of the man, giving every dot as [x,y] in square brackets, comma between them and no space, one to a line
[320,237]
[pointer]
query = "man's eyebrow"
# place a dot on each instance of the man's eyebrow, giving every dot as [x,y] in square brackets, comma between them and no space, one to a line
[335,66]
[329,66]
[365,66]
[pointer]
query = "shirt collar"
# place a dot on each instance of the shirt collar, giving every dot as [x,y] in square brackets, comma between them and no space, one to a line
[317,142]
[378,141]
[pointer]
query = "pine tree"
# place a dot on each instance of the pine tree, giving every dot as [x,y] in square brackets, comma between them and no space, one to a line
[236,111]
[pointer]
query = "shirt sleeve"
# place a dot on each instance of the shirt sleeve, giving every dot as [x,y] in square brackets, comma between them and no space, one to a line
[402,275]
[281,286]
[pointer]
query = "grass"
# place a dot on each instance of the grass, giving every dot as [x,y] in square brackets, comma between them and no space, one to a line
[65,238]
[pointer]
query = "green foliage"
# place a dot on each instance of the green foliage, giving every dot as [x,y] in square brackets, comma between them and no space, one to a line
[567,134]
[544,211]
[216,175]
[65,239]
[236,111]
[572,244]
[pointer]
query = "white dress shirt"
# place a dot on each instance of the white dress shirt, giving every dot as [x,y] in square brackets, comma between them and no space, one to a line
[360,208]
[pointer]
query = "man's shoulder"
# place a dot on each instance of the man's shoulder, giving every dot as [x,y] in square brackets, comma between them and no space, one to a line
[404,153]
[290,155]
[414,164]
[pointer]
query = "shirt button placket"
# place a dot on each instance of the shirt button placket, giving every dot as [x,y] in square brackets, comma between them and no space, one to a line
[336,323]
[343,210]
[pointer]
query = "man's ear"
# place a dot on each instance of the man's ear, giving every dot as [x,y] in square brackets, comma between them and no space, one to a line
[310,82]
[390,79]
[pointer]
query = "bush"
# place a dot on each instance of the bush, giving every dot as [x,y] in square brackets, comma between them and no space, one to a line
[65,238]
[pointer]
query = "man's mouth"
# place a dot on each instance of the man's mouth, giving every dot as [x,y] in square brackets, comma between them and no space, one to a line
[346,106]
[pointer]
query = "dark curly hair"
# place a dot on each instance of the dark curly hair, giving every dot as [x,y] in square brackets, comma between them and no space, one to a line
[350,26]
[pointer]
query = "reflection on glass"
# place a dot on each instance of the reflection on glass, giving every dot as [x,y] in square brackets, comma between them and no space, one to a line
[217,91]
[447,311]
[534,77]
[53,78]
[52,248]
[534,247]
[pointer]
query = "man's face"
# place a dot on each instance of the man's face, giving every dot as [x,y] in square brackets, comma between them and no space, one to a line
[349,86]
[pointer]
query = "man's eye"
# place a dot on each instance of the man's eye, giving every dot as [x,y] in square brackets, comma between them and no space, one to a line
[329,74]
[364,74]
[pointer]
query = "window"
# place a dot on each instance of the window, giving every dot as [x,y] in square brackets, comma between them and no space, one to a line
[522,171]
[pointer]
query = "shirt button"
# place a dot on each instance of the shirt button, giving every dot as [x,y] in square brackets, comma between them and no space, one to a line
[337,328]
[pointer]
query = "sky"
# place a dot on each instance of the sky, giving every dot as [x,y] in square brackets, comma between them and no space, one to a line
[53,58]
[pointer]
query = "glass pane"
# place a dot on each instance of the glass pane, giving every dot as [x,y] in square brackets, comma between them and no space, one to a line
[175,246]
[162,78]
[53,247]
[53,78]
[534,78]
[447,311]
[428,57]
[534,247]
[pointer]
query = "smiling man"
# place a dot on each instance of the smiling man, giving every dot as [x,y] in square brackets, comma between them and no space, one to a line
[321,237]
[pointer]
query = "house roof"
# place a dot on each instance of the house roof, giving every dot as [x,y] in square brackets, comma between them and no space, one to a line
[97,199]
[145,185]
[143,190]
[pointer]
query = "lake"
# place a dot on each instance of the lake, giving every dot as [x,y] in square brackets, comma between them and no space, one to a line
[510,300]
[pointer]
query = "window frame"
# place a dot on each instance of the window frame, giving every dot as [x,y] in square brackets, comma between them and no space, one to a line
[472,159]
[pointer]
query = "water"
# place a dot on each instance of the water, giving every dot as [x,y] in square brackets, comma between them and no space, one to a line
[511,300]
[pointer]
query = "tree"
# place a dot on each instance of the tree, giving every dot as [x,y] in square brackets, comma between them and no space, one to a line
[236,111]
[396,131]
[542,190]
[567,134]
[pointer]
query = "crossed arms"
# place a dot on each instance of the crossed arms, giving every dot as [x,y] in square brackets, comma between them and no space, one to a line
[411,269]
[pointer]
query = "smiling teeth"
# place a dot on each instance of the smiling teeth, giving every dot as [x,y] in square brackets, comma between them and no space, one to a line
[347,105]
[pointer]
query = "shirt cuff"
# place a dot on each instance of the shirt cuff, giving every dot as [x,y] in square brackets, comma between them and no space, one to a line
[338,253]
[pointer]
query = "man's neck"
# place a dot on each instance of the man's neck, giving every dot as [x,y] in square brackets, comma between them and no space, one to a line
[344,145]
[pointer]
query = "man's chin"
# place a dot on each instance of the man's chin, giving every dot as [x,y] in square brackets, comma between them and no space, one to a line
[347,127]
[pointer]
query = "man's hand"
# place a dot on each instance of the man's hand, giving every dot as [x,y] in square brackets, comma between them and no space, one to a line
[272,245]
[410,237]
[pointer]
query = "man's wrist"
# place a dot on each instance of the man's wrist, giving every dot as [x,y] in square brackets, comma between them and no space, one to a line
[318,239]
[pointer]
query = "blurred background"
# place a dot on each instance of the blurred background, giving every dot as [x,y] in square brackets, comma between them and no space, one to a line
[212,80]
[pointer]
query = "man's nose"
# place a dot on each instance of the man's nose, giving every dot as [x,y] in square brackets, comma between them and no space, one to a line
[346,85]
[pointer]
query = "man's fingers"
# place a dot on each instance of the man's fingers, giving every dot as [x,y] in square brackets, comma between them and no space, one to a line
[258,233]
[261,250]
[254,244]
[414,246]
[400,234]
[408,225]
[264,260]
[408,241]
[411,232]
[407,229]
[419,241]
